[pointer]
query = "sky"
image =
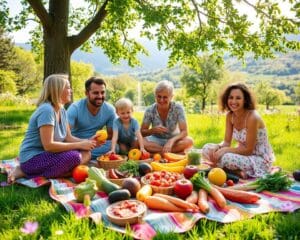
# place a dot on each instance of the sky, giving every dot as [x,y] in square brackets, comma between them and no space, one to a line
[23,35]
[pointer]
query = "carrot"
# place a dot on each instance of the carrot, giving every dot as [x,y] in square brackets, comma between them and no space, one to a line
[199,181]
[178,202]
[192,198]
[218,197]
[202,201]
[238,195]
[159,203]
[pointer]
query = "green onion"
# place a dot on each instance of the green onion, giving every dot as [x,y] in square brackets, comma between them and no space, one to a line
[274,182]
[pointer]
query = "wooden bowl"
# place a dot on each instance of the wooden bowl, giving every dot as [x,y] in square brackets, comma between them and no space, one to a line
[108,164]
[158,189]
[129,217]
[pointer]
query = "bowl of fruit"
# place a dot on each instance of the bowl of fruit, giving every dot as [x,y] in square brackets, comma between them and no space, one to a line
[109,161]
[161,181]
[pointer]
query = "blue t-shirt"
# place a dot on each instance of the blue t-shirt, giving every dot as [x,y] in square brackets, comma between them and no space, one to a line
[126,135]
[43,115]
[84,124]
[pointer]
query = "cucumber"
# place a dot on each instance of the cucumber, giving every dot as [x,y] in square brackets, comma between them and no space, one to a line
[102,182]
[119,195]
[233,177]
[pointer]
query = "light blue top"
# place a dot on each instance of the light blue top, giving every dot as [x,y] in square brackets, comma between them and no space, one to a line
[126,135]
[84,124]
[43,115]
[175,115]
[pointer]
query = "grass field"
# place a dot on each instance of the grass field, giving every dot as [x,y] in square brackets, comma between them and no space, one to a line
[19,204]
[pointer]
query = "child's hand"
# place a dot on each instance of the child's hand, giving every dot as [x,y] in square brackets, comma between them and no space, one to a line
[110,152]
[143,150]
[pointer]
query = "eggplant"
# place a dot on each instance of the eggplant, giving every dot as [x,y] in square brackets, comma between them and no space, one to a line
[296,175]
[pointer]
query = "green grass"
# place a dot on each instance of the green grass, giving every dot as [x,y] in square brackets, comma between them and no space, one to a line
[19,204]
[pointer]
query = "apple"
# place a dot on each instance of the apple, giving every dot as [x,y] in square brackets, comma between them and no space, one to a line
[145,155]
[183,188]
[113,156]
[189,171]
[80,173]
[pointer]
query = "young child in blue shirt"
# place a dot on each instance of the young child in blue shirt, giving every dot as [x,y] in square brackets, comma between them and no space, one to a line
[126,130]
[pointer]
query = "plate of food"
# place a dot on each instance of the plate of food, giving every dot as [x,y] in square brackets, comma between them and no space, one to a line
[126,212]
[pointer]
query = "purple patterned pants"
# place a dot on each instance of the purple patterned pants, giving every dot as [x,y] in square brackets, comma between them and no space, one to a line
[51,165]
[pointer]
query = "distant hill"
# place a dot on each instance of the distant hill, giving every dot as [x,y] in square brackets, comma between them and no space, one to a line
[282,65]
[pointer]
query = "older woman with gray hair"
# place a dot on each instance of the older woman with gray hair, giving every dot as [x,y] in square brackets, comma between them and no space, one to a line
[164,124]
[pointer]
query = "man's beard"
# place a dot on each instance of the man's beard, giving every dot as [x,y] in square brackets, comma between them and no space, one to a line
[94,102]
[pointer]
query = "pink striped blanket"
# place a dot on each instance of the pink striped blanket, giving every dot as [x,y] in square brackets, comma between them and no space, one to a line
[61,190]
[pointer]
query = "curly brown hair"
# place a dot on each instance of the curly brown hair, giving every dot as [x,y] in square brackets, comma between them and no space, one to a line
[249,103]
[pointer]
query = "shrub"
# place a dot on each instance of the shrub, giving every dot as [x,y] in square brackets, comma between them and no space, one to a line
[9,99]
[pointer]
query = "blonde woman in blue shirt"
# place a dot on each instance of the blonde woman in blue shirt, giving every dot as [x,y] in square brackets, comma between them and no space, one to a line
[49,149]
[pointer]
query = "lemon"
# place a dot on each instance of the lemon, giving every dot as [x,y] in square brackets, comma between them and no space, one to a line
[101,135]
[217,176]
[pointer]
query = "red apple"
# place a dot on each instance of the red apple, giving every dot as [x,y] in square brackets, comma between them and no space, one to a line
[145,155]
[183,188]
[80,173]
[189,171]
[113,156]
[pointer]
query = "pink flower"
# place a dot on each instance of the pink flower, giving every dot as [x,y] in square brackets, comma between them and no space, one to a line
[30,227]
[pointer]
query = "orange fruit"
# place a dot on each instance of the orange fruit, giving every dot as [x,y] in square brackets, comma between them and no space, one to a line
[157,157]
[217,176]
[134,154]
[101,135]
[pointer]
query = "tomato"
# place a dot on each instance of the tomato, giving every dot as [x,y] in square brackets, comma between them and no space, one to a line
[229,182]
[80,173]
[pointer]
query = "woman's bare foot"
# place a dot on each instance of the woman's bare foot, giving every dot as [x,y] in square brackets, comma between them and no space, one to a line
[241,174]
[15,174]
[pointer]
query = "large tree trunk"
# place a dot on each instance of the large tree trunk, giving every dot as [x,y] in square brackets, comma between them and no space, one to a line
[56,45]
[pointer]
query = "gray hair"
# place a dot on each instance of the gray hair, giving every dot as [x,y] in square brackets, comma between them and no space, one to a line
[164,85]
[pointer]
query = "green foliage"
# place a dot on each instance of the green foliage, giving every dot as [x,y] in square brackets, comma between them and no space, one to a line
[80,73]
[7,81]
[28,73]
[197,79]
[268,95]
[7,53]
[118,86]
[183,28]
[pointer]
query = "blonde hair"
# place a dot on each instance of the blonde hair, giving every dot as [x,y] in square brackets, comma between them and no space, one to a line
[164,85]
[123,103]
[52,90]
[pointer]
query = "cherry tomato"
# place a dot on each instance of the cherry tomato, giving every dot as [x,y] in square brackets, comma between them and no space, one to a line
[229,182]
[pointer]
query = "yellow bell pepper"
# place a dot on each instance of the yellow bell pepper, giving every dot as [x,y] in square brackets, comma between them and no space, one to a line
[144,192]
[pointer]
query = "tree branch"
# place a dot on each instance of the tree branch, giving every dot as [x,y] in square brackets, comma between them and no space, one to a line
[198,14]
[41,13]
[89,29]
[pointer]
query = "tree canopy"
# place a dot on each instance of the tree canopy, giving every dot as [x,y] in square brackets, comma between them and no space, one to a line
[184,27]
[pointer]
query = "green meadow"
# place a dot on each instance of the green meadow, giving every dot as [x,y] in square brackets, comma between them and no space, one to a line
[19,204]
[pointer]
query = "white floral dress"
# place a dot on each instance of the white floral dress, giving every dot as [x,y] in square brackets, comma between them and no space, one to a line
[255,165]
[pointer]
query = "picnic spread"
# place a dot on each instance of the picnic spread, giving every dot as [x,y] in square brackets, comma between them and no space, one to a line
[169,196]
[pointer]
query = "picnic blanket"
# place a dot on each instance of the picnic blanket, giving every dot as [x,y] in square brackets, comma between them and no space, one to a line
[61,190]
